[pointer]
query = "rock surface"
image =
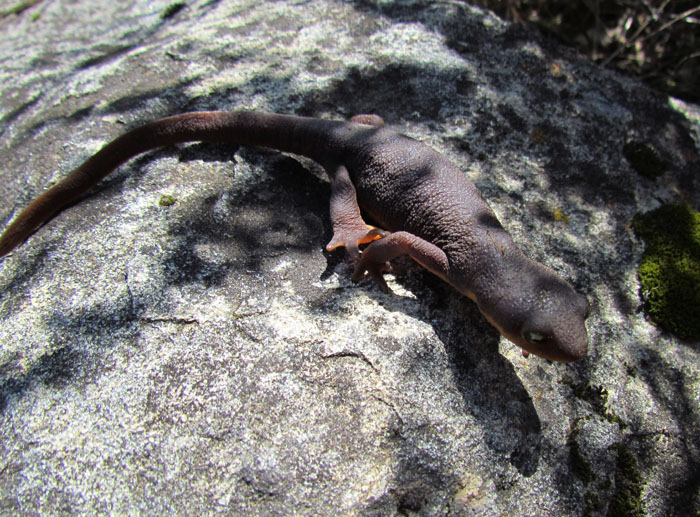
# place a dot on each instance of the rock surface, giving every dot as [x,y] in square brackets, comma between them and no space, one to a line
[208,356]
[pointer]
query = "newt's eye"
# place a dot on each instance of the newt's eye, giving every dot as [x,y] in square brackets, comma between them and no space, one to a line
[534,337]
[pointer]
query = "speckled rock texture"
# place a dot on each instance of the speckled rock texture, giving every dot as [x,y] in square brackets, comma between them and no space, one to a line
[207,356]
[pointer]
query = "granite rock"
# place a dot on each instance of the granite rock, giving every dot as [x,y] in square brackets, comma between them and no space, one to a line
[204,354]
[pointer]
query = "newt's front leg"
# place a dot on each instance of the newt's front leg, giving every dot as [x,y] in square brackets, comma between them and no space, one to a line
[349,229]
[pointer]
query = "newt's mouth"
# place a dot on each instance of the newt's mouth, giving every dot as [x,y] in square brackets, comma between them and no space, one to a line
[568,350]
[560,357]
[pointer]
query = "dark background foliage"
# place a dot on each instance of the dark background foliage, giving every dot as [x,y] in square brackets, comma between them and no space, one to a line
[656,40]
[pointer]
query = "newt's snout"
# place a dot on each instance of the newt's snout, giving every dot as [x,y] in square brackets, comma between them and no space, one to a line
[541,313]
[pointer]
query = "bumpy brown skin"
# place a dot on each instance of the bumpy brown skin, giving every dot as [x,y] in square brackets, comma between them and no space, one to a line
[425,208]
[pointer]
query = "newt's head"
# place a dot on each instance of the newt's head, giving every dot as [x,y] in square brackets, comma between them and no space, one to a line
[538,311]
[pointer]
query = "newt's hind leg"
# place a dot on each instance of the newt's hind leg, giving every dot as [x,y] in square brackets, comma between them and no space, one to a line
[375,257]
[349,229]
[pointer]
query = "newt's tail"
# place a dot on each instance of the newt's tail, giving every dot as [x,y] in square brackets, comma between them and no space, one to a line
[282,132]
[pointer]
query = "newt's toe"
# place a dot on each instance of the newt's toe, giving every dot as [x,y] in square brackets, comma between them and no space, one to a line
[351,238]
[376,271]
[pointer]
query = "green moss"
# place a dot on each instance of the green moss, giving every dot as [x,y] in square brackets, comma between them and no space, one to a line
[614,418]
[172,10]
[167,200]
[669,272]
[561,217]
[597,397]
[591,504]
[581,466]
[627,499]
[18,8]
[644,159]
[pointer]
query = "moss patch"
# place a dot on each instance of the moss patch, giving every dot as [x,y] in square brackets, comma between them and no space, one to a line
[597,397]
[591,504]
[644,159]
[669,272]
[18,8]
[627,500]
[172,10]
[561,217]
[167,200]
[580,465]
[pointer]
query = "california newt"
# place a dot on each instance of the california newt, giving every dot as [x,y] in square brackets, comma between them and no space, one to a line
[424,207]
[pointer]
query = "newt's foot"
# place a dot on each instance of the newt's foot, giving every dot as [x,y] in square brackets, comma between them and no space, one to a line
[375,270]
[351,238]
